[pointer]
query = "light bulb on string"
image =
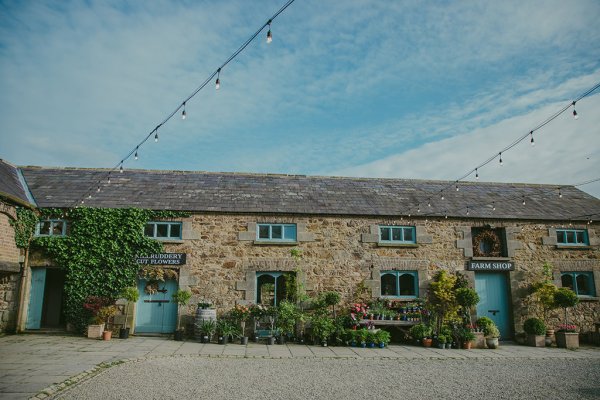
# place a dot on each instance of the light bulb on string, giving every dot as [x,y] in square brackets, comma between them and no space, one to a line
[575,112]
[476,174]
[570,223]
[429,203]
[269,34]
[156,137]
[136,153]
[532,141]
[559,193]
[442,196]
[89,196]
[418,209]
[183,113]
[500,154]
[467,210]
[523,200]
[98,190]
[108,180]
[218,81]
[494,206]
[457,187]
[121,168]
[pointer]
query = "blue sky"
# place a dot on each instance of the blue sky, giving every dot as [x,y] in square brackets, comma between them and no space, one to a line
[405,89]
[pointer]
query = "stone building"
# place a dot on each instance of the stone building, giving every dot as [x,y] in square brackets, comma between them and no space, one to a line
[389,236]
[12,258]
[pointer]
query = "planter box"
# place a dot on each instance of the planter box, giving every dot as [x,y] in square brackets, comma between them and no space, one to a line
[95,331]
[479,340]
[567,340]
[536,340]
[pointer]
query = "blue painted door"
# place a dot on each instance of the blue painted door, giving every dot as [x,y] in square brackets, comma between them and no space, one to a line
[492,288]
[156,313]
[36,298]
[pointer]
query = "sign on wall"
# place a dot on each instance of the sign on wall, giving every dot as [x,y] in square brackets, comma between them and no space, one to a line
[162,259]
[490,266]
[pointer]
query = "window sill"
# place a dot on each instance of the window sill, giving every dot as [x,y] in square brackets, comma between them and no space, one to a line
[174,241]
[572,247]
[588,298]
[274,243]
[400,298]
[406,245]
[490,258]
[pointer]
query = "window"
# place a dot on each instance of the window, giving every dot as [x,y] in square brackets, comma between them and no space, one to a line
[397,234]
[572,237]
[399,284]
[51,227]
[271,287]
[276,232]
[163,230]
[581,283]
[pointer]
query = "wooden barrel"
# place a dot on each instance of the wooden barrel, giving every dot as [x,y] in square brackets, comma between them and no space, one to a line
[203,314]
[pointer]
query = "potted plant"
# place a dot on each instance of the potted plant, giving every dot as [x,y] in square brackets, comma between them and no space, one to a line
[467,298]
[361,337]
[181,298]
[536,332]
[492,336]
[382,338]
[287,312]
[566,336]
[207,329]
[241,314]
[466,337]
[420,333]
[441,341]
[225,330]
[104,314]
[131,295]
[370,338]
[322,327]
[92,305]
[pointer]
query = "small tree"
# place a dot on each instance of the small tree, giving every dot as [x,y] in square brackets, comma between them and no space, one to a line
[467,298]
[330,299]
[181,297]
[565,298]
[131,294]
[442,297]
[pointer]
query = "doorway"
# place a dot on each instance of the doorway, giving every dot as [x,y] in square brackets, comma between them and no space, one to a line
[492,288]
[46,296]
[156,312]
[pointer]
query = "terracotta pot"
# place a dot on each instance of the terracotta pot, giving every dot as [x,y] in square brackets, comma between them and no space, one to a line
[106,335]
[427,342]
[467,345]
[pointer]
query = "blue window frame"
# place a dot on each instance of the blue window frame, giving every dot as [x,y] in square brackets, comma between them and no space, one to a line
[51,227]
[276,232]
[581,283]
[397,234]
[572,237]
[270,287]
[404,284]
[163,230]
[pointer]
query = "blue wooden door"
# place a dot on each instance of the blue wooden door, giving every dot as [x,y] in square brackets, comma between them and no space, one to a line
[492,288]
[36,298]
[156,313]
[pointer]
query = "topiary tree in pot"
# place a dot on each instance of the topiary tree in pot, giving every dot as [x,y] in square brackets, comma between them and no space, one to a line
[566,335]
[565,298]
[131,295]
[467,298]
[181,297]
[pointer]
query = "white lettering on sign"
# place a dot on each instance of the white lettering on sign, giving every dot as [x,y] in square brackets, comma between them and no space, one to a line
[491,266]
[162,259]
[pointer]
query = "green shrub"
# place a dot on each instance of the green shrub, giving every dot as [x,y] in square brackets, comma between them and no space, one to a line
[534,326]
[382,337]
[420,331]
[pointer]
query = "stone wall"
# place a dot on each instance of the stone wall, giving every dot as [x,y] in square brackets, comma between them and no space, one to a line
[10,269]
[339,253]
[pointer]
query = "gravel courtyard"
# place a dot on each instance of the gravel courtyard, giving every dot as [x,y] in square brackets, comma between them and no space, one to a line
[243,378]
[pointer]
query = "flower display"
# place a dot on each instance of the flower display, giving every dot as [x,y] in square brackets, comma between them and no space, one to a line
[567,328]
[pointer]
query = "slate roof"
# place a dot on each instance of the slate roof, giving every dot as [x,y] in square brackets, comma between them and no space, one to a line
[308,195]
[10,185]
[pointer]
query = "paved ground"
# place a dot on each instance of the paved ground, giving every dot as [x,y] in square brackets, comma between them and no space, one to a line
[29,364]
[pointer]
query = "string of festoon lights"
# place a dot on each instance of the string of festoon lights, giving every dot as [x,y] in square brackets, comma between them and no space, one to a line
[440,194]
[492,206]
[105,177]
